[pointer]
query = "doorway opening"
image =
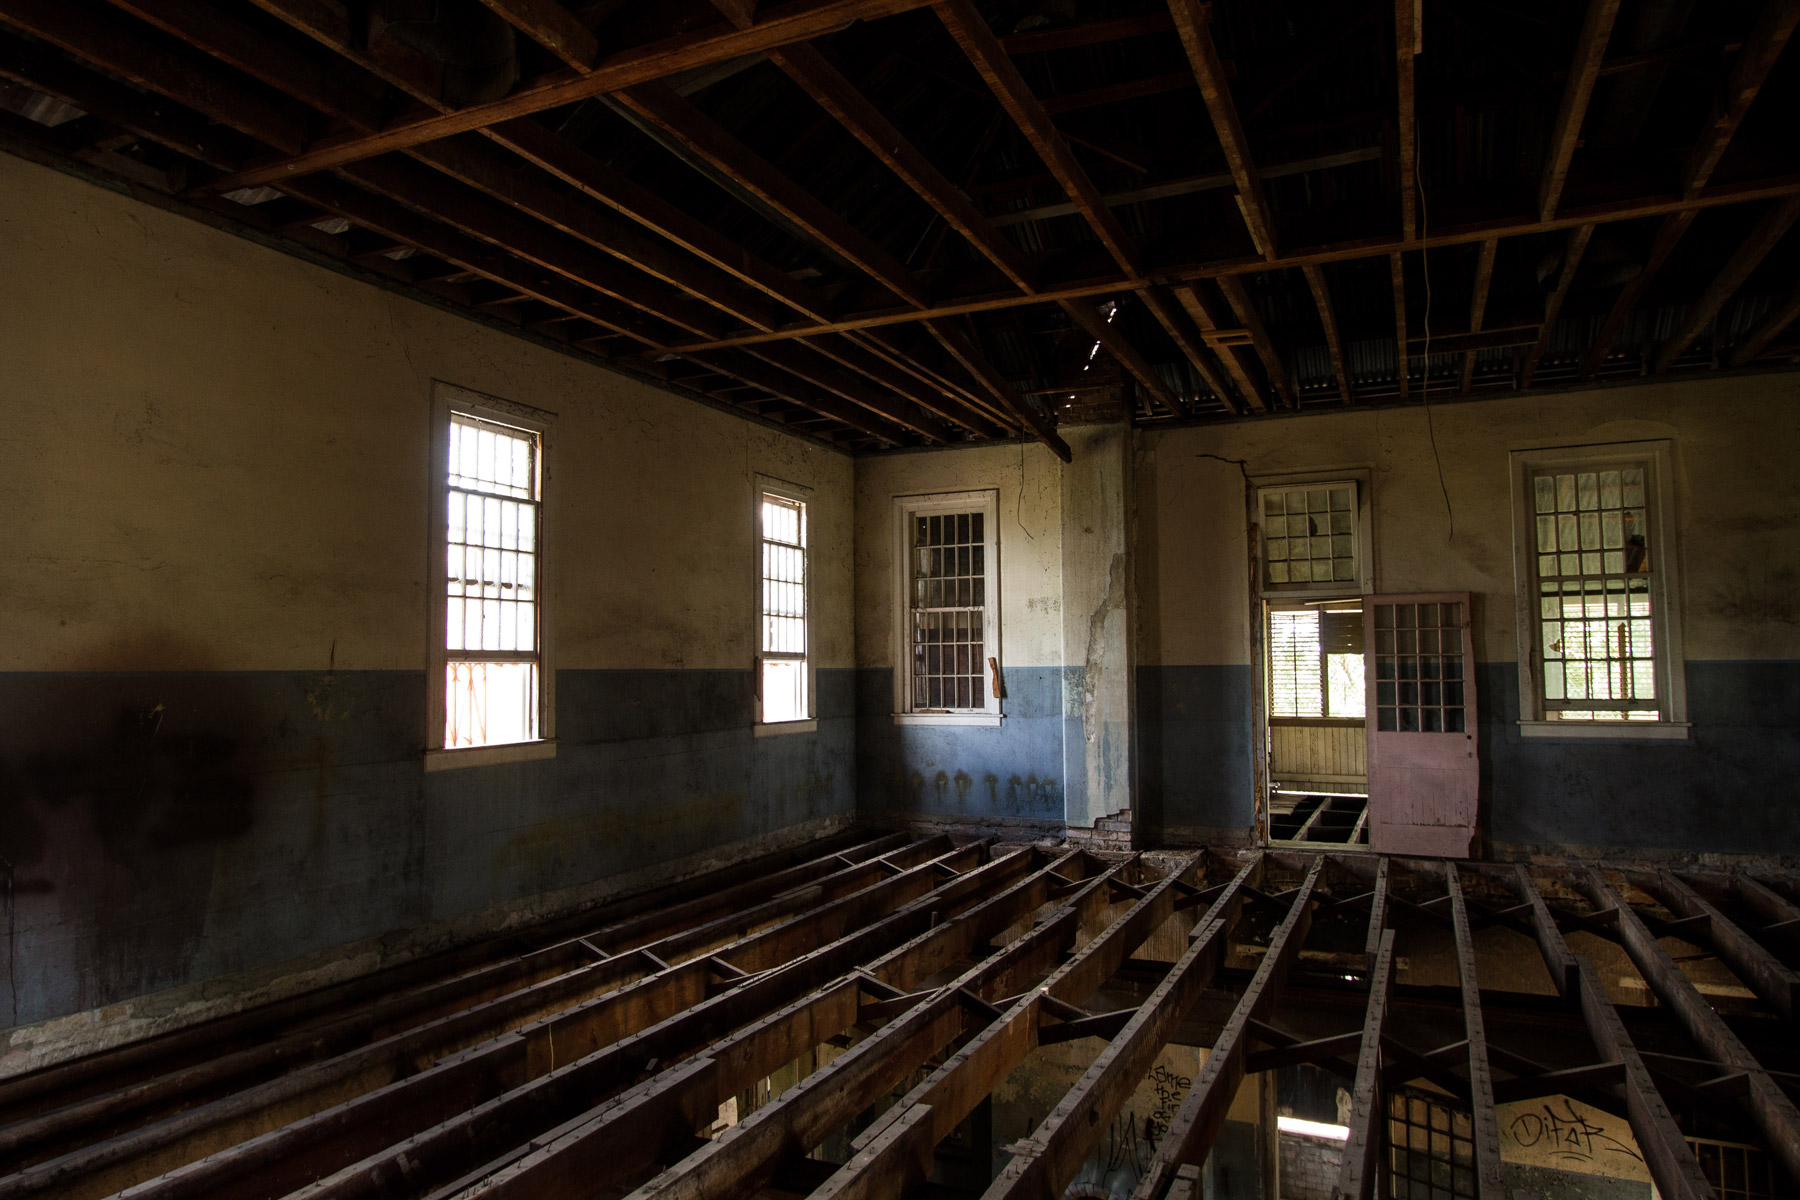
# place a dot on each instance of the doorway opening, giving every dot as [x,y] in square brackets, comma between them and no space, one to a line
[1316,738]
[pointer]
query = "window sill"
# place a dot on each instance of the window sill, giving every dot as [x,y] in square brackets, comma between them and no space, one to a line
[777,728]
[485,756]
[990,720]
[1608,730]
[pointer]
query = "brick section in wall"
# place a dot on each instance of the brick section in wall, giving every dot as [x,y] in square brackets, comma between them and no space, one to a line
[1309,1166]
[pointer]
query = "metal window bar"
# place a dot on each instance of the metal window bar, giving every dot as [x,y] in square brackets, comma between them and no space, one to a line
[1596,620]
[1431,1148]
[948,567]
[781,669]
[1736,1171]
[491,630]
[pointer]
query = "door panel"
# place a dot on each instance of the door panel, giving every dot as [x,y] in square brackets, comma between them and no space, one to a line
[1424,779]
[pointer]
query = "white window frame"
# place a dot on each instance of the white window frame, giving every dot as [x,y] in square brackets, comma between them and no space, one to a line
[987,502]
[1665,584]
[449,400]
[796,494]
[1361,505]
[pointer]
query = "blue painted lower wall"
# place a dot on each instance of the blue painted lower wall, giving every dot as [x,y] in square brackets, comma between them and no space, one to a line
[1194,752]
[1729,788]
[1013,771]
[162,828]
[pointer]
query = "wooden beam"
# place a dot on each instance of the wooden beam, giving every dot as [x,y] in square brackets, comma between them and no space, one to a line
[1368,1112]
[585,1002]
[1218,335]
[1484,278]
[1191,23]
[740,365]
[887,371]
[89,36]
[1192,184]
[262,57]
[1665,1149]
[1573,249]
[1088,33]
[964,351]
[1239,298]
[662,109]
[540,146]
[1168,315]
[1565,134]
[1767,903]
[1754,248]
[1766,975]
[1774,26]
[1378,901]
[1406,131]
[1120,347]
[1175,274]
[805,1114]
[1661,246]
[973,398]
[808,67]
[1757,340]
[471,163]
[806,362]
[551,26]
[893,1154]
[1397,279]
[327,22]
[1489,1184]
[1773,1111]
[150,117]
[1321,293]
[1189,1138]
[970,29]
[431,194]
[1047,1160]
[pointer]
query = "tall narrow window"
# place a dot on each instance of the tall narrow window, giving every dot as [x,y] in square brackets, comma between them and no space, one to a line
[488,655]
[1594,559]
[783,687]
[949,660]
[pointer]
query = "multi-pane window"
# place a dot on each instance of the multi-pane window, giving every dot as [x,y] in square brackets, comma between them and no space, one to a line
[949,611]
[1596,619]
[1316,661]
[949,662]
[1309,535]
[782,678]
[1419,678]
[492,638]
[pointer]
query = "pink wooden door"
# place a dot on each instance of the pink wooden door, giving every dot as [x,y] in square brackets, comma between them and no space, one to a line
[1419,667]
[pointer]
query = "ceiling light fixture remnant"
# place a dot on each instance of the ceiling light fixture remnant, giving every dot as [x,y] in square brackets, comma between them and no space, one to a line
[332,225]
[252,195]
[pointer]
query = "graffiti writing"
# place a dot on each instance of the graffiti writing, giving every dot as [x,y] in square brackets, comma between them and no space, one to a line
[1566,1134]
[1170,1089]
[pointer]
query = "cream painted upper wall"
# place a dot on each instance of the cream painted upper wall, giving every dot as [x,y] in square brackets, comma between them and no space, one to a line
[1736,444]
[215,457]
[1029,480]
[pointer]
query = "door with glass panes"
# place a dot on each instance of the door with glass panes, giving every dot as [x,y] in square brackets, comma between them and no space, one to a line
[1424,779]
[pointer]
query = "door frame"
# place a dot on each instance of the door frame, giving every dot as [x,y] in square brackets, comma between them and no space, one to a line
[1257,595]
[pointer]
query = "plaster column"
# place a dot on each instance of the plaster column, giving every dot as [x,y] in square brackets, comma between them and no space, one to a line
[1096,623]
